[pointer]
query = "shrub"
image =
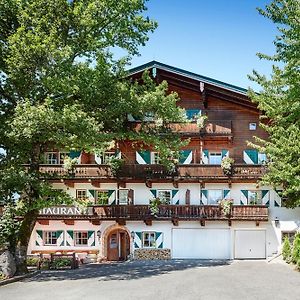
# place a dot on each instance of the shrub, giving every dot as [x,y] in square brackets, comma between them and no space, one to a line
[45,264]
[61,262]
[32,261]
[296,249]
[286,250]
[2,276]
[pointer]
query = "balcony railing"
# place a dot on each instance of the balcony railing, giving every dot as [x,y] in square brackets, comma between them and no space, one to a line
[192,171]
[181,212]
[217,127]
[165,212]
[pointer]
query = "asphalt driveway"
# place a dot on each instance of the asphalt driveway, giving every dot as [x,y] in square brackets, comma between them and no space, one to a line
[178,279]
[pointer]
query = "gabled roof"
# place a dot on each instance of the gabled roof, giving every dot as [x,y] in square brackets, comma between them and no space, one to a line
[159,65]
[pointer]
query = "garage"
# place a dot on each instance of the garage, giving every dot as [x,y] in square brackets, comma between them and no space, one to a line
[249,244]
[201,243]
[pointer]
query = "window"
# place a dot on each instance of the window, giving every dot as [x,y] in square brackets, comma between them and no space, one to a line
[262,158]
[192,114]
[101,197]
[81,194]
[81,238]
[123,196]
[289,234]
[105,157]
[254,198]
[149,240]
[51,158]
[149,117]
[50,238]
[63,156]
[252,126]
[214,196]
[164,196]
[215,158]
[155,158]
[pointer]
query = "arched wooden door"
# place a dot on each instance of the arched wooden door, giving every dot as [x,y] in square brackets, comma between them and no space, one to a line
[118,245]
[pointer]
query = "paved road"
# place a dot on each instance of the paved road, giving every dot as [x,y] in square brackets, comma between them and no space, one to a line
[190,279]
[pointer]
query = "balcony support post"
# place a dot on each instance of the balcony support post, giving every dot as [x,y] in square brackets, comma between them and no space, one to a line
[148,183]
[202,223]
[175,222]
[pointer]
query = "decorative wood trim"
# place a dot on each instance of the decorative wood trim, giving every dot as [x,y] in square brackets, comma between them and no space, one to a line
[202,222]
[148,222]
[121,184]
[95,222]
[148,183]
[229,184]
[175,184]
[257,223]
[69,183]
[175,222]
[229,223]
[95,183]
[121,222]
[43,221]
[202,184]
[69,221]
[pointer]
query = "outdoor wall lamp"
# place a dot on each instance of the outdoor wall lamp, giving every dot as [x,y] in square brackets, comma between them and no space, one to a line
[99,234]
[132,234]
[277,222]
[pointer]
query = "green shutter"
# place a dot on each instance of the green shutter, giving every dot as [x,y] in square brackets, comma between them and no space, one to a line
[224,153]
[226,193]
[154,193]
[253,155]
[184,154]
[74,154]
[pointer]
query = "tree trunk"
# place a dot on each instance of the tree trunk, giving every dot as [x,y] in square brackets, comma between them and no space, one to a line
[27,225]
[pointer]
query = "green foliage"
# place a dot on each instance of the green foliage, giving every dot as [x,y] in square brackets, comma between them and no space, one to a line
[61,262]
[227,165]
[115,165]
[154,205]
[45,264]
[296,249]
[286,250]
[225,205]
[9,227]
[279,101]
[32,261]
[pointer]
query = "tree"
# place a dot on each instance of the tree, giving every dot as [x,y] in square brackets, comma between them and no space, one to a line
[279,101]
[61,87]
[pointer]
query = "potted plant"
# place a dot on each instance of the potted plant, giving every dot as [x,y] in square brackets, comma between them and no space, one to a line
[225,206]
[227,165]
[154,203]
[115,165]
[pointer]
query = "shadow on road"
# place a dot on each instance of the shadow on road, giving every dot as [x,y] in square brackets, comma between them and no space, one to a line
[126,270]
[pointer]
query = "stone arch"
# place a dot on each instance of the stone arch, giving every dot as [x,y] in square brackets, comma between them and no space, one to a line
[104,239]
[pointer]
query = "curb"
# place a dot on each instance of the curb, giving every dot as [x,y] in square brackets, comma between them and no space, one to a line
[19,278]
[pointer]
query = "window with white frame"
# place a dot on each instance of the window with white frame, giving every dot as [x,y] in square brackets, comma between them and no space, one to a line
[101,197]
[81,238]
[63,156]
[254,198]
[50,238]
[123,196]
[106,156]
[262,158]
[214,196]
[155,158]
[51,158]
[149,240]
[215,158]
[164,196]
[81,194]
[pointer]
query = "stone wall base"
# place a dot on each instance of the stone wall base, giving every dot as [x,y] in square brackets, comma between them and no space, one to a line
[151,254]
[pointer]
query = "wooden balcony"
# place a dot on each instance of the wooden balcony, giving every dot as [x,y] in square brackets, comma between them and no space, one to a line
[212,128]
[152,172]
[181,212]
[166,212]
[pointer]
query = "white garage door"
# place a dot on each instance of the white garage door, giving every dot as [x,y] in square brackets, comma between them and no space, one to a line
[201,243]
[250,244]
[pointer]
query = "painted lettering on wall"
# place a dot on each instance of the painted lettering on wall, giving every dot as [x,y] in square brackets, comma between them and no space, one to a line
[64,210]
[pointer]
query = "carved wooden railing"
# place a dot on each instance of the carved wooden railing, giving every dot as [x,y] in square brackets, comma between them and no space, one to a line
[154,171]
[181,212]
[165,212]
[216,127]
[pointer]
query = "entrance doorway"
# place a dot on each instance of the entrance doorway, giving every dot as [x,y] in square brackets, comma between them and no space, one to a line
[118,245]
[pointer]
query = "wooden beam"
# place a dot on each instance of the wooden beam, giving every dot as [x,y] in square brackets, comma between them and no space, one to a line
[148,184]
[175,222]
[202,184]
[121,184]
[121,222]
[69,221]
[202,222]
[175,184]
[95,222]
[257,223]
[148,222]
[95,183]
[69,183]
[229,184]
[229,223]
[43,221]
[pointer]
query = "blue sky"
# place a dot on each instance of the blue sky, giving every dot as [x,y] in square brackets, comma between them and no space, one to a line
[215,38]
